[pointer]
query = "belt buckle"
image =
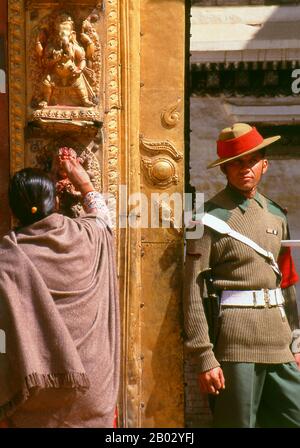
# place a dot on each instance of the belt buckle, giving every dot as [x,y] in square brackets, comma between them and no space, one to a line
[267,298]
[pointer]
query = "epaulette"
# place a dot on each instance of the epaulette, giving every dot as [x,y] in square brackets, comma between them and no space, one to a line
[217,211]
[275,208]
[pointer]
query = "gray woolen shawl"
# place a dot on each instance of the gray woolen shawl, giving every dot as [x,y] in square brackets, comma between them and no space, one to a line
[60,313]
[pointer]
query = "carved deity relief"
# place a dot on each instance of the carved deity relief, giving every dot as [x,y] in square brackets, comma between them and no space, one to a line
[65,68]
[65,88]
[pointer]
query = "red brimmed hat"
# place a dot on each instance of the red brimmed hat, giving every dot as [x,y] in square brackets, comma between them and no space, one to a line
[239,140]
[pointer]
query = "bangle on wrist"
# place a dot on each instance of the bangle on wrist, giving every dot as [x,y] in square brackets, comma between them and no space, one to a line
[87,192]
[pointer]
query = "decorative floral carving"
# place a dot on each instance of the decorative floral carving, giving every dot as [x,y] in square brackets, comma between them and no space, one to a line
[113,97]
[60,114]
[160,171]
[160,147]
[16,84]
[170,117]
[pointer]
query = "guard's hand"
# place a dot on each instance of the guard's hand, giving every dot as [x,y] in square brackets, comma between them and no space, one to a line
[212,381]
[297,359]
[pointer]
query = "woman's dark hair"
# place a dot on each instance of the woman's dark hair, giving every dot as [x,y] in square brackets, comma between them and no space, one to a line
[31,195]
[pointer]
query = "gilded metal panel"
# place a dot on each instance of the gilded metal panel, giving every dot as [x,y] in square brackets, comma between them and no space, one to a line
[162,173]
[152,161]
[161,348]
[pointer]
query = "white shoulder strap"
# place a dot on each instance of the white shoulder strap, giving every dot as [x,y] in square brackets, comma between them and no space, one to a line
[221,227]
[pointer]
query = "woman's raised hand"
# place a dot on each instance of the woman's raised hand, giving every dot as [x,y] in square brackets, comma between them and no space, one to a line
[75,172]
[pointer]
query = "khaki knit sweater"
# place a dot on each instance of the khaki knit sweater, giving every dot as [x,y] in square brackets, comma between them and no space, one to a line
[258,335]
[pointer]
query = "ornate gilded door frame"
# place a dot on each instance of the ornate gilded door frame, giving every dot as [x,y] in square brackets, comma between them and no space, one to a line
[4,133]
[130,248]
[17,104]
[142,150]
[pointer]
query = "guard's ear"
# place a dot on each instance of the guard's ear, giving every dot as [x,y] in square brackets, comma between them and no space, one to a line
[265,166]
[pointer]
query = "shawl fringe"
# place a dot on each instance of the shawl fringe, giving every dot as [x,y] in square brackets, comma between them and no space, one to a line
[37,381]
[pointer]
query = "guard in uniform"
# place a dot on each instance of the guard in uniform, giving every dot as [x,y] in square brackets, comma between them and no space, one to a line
[252,368]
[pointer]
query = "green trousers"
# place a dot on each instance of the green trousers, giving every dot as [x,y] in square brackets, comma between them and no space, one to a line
[258,395]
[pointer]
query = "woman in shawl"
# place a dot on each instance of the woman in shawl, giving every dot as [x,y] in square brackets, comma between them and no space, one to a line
[59,308]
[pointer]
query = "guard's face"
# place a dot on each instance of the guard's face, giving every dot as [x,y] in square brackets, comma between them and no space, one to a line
[245,172]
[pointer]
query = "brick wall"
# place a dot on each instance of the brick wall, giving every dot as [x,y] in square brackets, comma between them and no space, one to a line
[197,412]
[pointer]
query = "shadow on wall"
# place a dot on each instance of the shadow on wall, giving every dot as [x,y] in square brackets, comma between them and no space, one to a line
[162,342]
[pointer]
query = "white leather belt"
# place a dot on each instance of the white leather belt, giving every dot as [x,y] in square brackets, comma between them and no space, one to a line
[262,297]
